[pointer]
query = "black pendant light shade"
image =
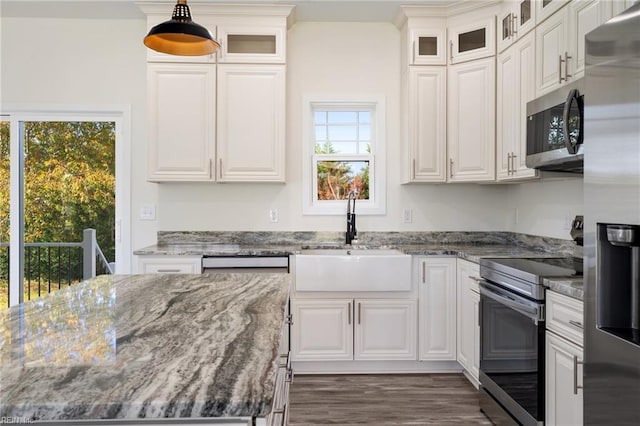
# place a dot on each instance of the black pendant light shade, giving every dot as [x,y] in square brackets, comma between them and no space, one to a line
[180,35]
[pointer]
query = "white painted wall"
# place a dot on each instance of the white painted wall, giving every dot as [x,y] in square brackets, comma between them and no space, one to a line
[545,207]
[102,62]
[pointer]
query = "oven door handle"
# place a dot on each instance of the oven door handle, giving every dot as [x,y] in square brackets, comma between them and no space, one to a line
[531,310]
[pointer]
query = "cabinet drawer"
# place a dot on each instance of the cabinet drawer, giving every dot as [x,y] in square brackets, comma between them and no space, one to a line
[565,316]
[170,265]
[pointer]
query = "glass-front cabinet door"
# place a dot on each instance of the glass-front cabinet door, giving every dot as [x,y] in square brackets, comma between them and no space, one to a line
[428,46]
[525,17]
[546,8]
[472,40]
[516,19]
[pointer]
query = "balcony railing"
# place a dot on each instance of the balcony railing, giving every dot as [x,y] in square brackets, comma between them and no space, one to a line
[51,266]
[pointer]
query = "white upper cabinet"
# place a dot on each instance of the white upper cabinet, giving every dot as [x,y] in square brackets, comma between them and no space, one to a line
[546,8]
[472,39]
[471,121]
[552,52]
[427,124]
[560,47]
[516,87]
[181,121]
[584,16]
[428,46]
[516,19]
[252,44]
[251,123]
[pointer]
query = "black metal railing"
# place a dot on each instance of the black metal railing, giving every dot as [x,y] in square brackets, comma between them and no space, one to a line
[52,266]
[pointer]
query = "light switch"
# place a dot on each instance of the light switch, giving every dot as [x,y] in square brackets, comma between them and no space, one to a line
[406,215]
[148,212]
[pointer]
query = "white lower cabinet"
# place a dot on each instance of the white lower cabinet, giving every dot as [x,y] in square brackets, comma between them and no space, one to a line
[322,329]
[468,336]
[353,329]
[169,264]
[564,356]
[564,378]
[437,308]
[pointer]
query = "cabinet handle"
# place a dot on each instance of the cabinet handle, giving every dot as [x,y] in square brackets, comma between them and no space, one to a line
[414,169]
[210,168]
[451,50]
[168,270]
[476,279]
[413,52]
[349,313]
[220,167]
[509,164]
[576,363]
[359,312]
[514,24]
[513,163]
[576,324]
[560,79]
[451,168]
[424,272]
[566,66]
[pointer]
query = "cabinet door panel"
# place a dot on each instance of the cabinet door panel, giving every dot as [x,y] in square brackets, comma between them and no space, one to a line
[468,328]
[526,56]
[251,121]
[322,330]
[472,40]
[181,105]
[437,314]
[428,46]
[546,8]
[471,121]
[507,112]
[584,16]
[385,329]
[427,123]
[551,44]
[563,405]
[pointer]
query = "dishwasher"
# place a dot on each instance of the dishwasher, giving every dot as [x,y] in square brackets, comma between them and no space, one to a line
[253,264]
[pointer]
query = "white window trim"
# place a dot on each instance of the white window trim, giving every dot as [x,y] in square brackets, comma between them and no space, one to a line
[121,114]
[377,172]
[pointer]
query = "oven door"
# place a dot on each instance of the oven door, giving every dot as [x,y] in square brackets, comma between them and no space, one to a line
[512,353]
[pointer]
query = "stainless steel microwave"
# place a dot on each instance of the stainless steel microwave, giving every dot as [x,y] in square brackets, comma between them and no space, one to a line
[555,129]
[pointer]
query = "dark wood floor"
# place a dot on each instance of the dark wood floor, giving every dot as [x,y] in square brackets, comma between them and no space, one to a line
[416,399]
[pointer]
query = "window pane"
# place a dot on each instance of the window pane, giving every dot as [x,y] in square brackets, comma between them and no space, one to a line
[321,133]
[320,117]
[343,133]
[365,133]
[69,184]
[365,117]
[364,147]
[343,117]
[337,178]
[345,147]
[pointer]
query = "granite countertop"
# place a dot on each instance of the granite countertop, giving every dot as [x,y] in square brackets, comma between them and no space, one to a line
[570,286]
[144,346]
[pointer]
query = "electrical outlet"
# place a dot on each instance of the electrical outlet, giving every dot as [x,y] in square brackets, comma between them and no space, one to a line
[273,215]
[148,212]
[406,215]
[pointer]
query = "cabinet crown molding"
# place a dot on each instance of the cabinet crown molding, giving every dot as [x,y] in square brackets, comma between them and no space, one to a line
[442,10]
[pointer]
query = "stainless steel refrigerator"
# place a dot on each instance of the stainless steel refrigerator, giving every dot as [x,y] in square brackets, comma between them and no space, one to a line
[612,222]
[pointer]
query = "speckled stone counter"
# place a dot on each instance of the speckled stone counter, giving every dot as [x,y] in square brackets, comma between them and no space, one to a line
[572,287]
[145,346]
[467,245]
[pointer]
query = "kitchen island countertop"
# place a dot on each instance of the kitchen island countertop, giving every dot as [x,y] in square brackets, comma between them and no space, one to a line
[145,346]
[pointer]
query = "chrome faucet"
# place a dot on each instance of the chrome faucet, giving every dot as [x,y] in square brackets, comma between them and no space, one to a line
[352,233]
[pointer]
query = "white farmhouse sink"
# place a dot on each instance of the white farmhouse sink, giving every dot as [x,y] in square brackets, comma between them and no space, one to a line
[352,270]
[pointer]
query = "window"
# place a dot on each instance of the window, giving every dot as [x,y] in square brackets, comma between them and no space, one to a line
[344,152]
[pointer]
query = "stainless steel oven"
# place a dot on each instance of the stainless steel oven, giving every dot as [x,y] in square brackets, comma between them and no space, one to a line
[512,339]
[555,130]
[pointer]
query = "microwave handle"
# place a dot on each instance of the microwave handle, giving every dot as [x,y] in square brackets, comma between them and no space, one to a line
[574,96]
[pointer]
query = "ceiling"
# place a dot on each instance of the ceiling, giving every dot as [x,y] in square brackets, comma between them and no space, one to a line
[306,10]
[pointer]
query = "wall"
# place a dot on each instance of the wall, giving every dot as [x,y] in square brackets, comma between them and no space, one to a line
[545,207]
[102,62]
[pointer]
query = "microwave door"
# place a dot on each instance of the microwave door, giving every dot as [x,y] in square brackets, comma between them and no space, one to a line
[573,121]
